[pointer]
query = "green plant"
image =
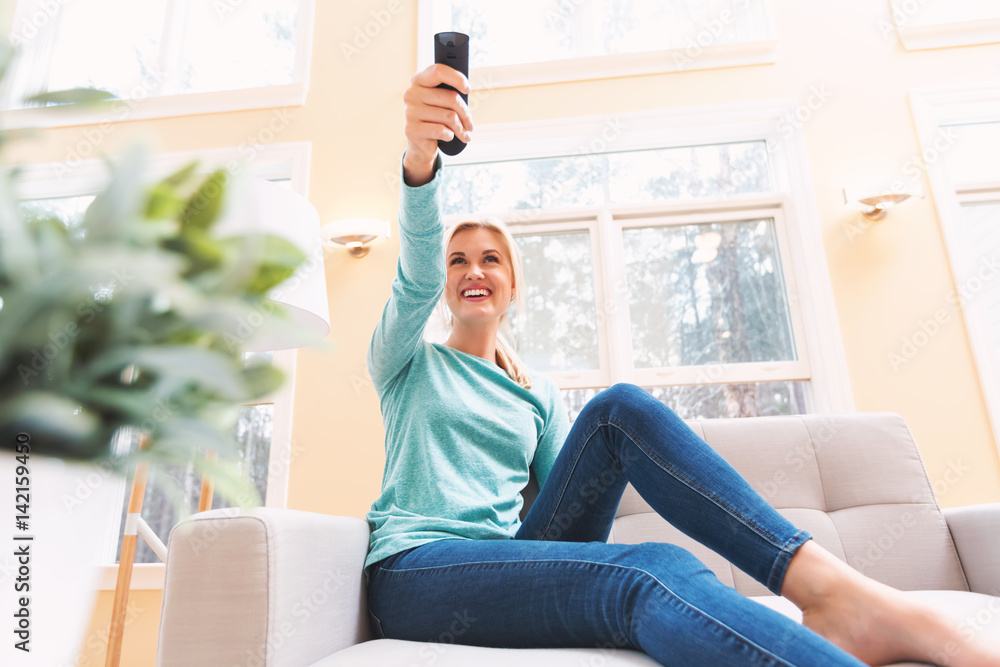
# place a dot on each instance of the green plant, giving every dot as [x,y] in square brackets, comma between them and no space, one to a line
[130,318]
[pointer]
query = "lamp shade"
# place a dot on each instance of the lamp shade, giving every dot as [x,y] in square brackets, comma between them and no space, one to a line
[258,206]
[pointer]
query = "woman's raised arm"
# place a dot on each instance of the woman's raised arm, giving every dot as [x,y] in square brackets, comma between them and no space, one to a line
[431,113]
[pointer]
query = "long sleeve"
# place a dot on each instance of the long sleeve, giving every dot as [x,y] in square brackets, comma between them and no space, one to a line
[419,282]
[553,435]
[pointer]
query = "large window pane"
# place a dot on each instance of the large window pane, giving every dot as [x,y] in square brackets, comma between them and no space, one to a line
[111,44]
[575,399]
[982,222]
[970,151]
[562,29]
[250,45]
[627,177]
[707,293]
[129,49]
[559,330]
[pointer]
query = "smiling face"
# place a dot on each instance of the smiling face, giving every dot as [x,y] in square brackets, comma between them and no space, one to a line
[477,259]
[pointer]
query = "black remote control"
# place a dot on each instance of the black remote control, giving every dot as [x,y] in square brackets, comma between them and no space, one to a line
[452,49]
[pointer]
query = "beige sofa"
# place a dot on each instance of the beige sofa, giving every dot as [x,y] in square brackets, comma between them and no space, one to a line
[284,588]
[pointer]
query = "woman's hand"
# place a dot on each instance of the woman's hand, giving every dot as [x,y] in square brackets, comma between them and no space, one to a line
[432,113]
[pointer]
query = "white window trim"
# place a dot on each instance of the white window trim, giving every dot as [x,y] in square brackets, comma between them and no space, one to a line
[710,56]
[277,161]
[805,267]
[915,37]
[948,105]
[33,61]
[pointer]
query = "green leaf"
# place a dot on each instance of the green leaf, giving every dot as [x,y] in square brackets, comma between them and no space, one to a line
[229,482]
[163,203]
[201,434]
[73,96]
[205,205]
[131,403]
[262,379]
[6,56]
[212,370]
[276,259]
[15,134]
[125,274]
[165,199]
[56,423]
[115,211]
[202,252]
[181,176]
[18,255]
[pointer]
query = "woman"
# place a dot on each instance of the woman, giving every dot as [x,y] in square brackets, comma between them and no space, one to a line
[465,421]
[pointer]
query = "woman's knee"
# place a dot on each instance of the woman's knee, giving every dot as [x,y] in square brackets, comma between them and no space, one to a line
[629,399]
[620,394]
[668,563]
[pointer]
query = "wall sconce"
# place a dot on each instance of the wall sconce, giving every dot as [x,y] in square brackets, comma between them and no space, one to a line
[873,204]
[355,234]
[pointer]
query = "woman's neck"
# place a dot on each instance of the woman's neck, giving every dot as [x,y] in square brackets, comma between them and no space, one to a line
[481,343]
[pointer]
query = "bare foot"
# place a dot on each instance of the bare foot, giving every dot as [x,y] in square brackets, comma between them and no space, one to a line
[876,623]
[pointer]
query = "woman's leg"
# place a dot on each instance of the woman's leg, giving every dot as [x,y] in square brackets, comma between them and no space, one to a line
[653,597]
[625,435]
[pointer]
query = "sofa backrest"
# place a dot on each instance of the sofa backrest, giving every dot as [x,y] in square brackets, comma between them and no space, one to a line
[855,481]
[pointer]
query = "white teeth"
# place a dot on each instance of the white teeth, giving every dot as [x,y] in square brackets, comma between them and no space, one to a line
[475,292]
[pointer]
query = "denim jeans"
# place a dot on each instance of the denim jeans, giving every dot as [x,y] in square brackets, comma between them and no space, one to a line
[558,583]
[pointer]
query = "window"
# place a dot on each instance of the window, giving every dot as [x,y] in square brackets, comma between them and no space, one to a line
[933,24]
[959,131]
[663,263]
[161,57]
[570,39]
[263,431]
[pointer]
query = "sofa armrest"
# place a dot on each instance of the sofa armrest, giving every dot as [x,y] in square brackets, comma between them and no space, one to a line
[976,532]
[264,587]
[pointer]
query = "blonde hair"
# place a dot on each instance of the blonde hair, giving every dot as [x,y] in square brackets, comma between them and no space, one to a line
[506,354]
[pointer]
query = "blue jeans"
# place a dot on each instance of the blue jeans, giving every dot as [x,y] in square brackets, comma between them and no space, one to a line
[558,583]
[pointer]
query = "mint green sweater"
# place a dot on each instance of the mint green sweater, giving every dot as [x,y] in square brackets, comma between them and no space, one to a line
[460,434]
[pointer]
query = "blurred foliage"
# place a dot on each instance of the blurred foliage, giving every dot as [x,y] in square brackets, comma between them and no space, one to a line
[136,316]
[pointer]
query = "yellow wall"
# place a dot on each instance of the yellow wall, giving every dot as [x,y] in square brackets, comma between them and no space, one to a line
[884,282]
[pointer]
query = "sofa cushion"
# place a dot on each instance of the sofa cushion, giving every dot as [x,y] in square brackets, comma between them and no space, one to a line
[399,653]
[855,481]
[975,614]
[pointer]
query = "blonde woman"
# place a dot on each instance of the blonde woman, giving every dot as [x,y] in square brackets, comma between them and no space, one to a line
[465,422]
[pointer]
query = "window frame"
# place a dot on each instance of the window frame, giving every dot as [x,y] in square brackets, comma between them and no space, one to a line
[942,34]
[818,342]
[289,160]
[932,108]
[29,74]
[711,56]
